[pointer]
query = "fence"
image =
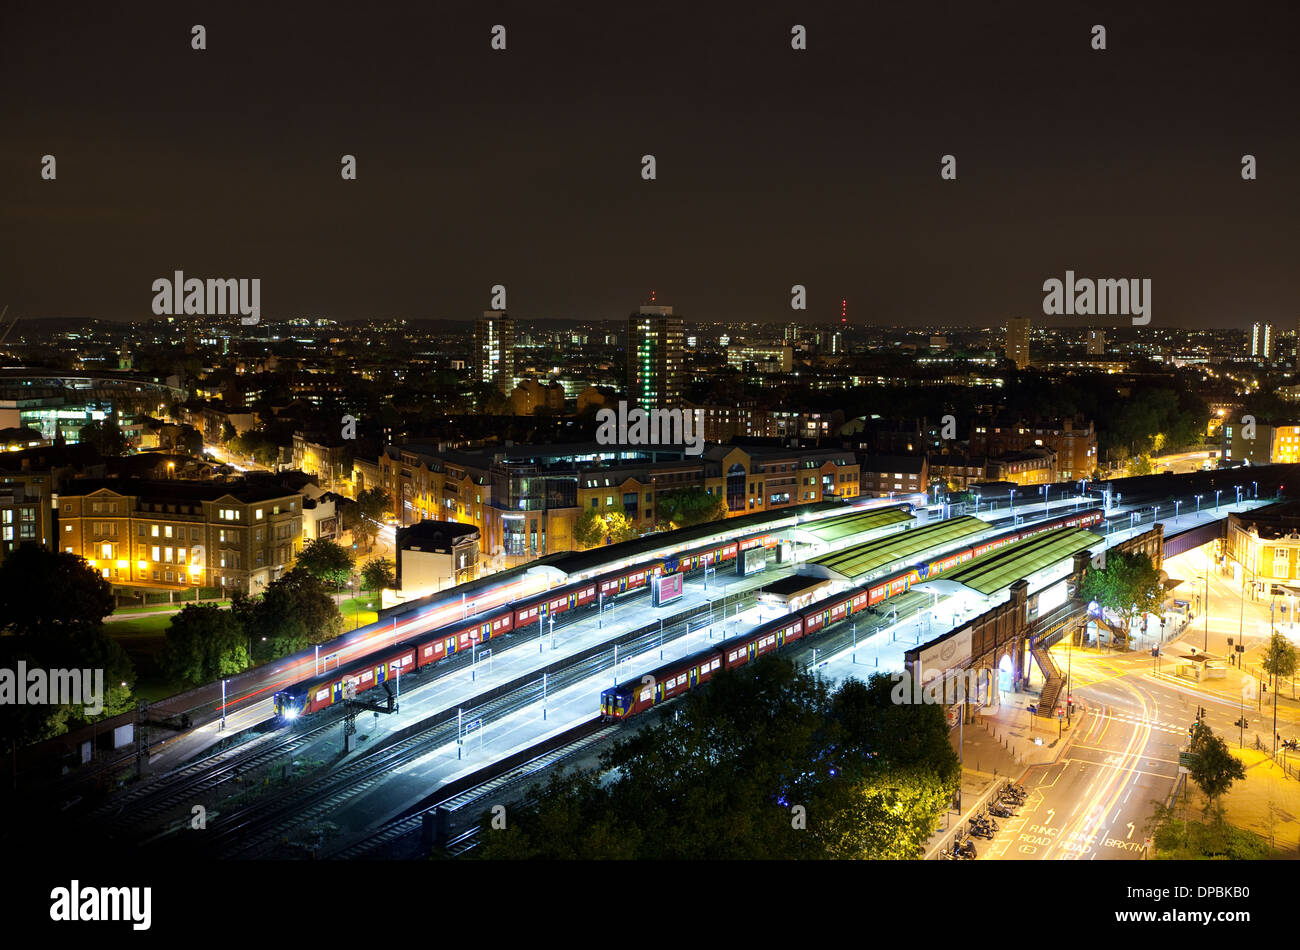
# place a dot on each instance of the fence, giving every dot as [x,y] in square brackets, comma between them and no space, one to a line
[1290,768]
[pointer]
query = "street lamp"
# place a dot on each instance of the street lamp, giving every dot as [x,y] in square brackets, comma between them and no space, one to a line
[1198,506]
[1207,596]
[1217,493]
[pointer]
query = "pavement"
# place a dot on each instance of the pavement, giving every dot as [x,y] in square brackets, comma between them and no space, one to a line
[1267,802]
[1001,743]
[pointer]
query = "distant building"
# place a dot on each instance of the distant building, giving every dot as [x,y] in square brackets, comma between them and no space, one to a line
[328,457]
[525,499]
[432,555]
[494,350]
[1097,342]
[763,358]
[724,423]
[883,475]
[1034,466]
[1073,439]
[959,472]
[1017,346]
[655,358]
[1263,444]
[320,519]
[1262,340]
[26,514]
[1264,546]
[170,535]
[530,397]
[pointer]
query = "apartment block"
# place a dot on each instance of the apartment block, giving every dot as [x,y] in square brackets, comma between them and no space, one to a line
[169,535]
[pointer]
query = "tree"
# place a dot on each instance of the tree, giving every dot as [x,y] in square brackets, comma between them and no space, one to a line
[603,526]
[106,436]
[1128,586]
[227,432]
[1280,658]
[205,643]
[52,605]
[763,763]
[326,560]
[372,504]
[293,613]
[1214,768]
[46,593]
[378,573]
[685,507]
[1141,465]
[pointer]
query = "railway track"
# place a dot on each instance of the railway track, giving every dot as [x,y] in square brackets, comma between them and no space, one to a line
[500,780]
[129,809]
[255,826]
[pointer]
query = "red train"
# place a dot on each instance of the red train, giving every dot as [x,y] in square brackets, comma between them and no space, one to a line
[429,647]
[673,679]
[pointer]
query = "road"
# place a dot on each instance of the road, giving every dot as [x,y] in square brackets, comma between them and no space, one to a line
[1096,800]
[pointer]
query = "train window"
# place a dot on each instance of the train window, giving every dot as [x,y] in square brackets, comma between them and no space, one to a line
[323,694]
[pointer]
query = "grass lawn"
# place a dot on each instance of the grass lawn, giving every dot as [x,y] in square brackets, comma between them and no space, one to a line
[144,640]
[357,611]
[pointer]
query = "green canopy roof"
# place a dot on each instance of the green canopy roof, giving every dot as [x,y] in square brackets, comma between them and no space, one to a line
[861,559]
[1006,565]
[829,530]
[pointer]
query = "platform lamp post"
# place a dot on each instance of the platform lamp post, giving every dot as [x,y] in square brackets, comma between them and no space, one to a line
[1206,605]
[977,503]
[1198,506]
[1176,504]
[1012,503]
[1217,493]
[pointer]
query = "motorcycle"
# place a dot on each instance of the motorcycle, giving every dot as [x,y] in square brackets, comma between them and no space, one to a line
[1001,811]
[978,830]
[965,850]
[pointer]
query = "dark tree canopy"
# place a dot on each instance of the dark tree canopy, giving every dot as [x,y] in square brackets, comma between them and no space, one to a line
[764,763]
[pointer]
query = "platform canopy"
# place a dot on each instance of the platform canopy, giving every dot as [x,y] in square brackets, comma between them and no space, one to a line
[1001,568]
[854,563]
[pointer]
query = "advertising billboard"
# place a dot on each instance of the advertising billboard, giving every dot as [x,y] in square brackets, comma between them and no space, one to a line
[751,561]
[665,590]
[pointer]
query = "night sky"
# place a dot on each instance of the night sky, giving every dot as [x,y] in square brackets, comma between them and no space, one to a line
[775,167]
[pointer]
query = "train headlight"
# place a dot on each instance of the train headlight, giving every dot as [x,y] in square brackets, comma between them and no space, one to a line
[291,714]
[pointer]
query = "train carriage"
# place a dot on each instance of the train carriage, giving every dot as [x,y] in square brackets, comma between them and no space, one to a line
[666,682]
[332,688]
